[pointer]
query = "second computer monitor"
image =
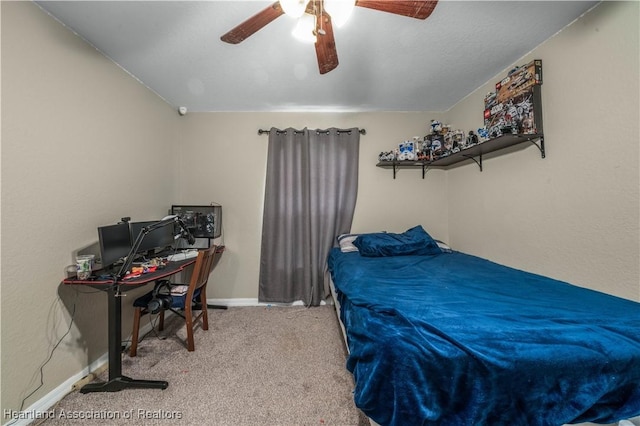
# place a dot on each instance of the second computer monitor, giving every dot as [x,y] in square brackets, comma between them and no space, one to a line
[159,238]
[115,243]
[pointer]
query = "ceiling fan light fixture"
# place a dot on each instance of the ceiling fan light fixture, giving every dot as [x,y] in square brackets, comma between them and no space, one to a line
[294,8]
[339,10]
[318,28]
[305,29]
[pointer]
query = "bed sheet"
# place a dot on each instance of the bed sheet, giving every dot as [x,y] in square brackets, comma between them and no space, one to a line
[453,339]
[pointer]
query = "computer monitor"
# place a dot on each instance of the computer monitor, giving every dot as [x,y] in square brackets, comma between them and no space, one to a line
[157,239]
[115,243]
[202,221]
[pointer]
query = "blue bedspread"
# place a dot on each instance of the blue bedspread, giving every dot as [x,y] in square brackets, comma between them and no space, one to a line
[452,339]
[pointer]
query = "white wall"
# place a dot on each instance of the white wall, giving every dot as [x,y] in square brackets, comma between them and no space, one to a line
[83,144]
[575,214]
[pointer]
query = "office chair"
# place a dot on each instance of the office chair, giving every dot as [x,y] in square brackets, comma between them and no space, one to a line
[160,299]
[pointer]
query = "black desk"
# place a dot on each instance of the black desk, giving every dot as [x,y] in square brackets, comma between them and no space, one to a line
[117,381]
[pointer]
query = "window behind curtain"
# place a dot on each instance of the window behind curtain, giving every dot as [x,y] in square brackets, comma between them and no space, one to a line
[310,196]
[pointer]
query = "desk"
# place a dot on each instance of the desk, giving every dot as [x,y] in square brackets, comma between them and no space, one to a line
[117,381]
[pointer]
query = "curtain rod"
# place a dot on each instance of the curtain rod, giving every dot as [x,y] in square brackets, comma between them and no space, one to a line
[361,131]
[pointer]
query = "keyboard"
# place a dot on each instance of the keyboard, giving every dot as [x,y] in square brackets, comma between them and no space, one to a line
[182,255]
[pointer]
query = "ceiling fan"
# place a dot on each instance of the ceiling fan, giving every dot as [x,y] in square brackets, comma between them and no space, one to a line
[323,28]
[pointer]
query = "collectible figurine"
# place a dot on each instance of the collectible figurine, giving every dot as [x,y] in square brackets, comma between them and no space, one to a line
[448,141]
[423,156]
[407,151]
[527,124]
[472,138]
[436,127]
[458,139]
[386,156]
[436,148]
[483,134]
[426,148]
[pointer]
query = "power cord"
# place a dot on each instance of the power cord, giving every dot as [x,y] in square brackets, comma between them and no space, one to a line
[41,370]
[153,322]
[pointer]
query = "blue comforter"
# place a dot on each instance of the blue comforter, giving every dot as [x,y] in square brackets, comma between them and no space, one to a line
[452,339]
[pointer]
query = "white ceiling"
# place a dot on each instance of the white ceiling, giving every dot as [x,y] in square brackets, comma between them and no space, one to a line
[387,62]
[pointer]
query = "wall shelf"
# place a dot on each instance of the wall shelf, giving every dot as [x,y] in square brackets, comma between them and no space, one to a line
[395,165]
[474,153]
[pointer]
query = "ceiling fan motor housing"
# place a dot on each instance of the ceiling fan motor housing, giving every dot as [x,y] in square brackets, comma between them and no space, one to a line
[325,45]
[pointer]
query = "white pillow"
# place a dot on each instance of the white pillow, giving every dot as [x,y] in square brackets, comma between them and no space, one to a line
[346,242]
[444,247]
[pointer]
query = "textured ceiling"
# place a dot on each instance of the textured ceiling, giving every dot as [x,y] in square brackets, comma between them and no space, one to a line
[387,62]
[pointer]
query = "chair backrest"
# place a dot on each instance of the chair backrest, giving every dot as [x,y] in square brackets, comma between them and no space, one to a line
[202,269]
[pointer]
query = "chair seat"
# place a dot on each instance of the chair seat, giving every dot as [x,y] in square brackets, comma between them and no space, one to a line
[198,284]
[177,301]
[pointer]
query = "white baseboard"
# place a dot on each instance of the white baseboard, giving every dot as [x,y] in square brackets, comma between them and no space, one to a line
[233,302]
[251,302]
[42,407]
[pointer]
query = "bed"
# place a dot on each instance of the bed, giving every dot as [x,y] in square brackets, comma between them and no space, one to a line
[439,337]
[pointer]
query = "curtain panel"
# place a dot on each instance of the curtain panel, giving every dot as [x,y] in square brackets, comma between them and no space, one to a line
[310,196]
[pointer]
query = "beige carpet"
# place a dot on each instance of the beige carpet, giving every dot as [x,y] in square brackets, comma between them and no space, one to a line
[255,366]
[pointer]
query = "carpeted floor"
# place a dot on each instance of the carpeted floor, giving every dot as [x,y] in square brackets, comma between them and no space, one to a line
[255,366]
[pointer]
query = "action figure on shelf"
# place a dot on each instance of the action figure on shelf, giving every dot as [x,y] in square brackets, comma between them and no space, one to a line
[436,127]
[483,134]
[386,156]
[448,141]
[407,151]
[472,138]
[425,151]
[423,156]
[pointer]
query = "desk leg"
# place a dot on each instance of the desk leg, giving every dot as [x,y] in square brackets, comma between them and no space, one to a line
[117,381]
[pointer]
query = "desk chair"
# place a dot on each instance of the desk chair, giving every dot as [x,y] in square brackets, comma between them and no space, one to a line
[195,293]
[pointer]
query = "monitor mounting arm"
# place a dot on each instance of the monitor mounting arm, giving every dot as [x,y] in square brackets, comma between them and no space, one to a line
[165,221]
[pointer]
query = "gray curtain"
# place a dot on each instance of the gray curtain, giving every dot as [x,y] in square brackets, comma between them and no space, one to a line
[310,196]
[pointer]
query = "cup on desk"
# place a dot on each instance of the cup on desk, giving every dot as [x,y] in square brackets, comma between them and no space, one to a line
[84,263]
[70,271]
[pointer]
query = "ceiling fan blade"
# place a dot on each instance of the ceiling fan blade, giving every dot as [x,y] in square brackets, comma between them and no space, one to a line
[325,45]
[412,9]
[253,24]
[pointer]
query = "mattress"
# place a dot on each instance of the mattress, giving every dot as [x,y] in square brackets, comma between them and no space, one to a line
[453,339]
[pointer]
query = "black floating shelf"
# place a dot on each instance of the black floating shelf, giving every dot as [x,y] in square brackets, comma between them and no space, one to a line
[471,153]
[395,165]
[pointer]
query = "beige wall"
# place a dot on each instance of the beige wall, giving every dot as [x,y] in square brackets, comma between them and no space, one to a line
[574,215]
[83,144]
[224,160]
